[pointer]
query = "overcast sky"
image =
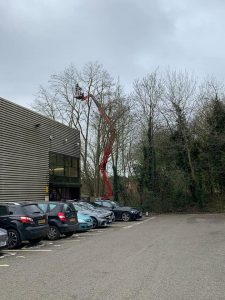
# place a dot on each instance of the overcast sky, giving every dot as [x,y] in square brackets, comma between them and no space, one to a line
[128,37]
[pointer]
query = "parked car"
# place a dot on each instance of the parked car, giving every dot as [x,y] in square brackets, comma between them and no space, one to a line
[100,210]
[23,222]
[62,219]
[124,213]
[85,222]
[99,219]
[3,238]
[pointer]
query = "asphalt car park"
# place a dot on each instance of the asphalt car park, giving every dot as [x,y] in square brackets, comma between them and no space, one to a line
[159,257]
[28,250]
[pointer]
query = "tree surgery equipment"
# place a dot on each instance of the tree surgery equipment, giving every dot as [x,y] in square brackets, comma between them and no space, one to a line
[79,95]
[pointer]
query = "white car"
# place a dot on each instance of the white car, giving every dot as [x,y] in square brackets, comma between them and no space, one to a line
[3,238]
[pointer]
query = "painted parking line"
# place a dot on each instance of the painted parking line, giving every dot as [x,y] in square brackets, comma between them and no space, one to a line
[30,250]
[4,265]
[88,234]
[135,224]
[71,240]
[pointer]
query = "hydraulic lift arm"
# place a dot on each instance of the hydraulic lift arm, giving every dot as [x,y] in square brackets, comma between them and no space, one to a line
[79,95]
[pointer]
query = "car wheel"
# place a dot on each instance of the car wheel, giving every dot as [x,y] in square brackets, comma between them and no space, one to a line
[95,222]
[125,216]
[53,233]
[14,239]
[35,241]
[69,233]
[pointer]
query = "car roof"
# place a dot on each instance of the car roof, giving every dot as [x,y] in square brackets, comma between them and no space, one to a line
[50,202]
[19,203]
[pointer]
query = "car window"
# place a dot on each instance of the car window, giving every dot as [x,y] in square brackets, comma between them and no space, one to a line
[66,208]
[31,209]
[15,209]
[43,207]
[78,207]
[52,206]
[115,204]
[106,204]
[98,202]
[3,210]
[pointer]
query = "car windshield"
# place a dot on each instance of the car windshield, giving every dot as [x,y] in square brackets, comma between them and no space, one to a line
[88,205]
[79,207]
[115,204]
[32,209]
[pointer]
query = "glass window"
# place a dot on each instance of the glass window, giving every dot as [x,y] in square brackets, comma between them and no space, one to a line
[74,162]
[52,206]
[68,162]
[3,210]
[31,209]
[63,165]
[15,209]
[107,204]
[43,207]
[59,166]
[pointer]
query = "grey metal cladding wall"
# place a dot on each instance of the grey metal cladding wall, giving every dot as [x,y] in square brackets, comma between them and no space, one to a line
[24,151]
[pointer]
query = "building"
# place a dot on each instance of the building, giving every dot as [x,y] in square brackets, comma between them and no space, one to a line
[39,157]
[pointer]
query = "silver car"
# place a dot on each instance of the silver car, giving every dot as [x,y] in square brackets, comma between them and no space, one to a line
[108,213]
[99,219]
[3,238]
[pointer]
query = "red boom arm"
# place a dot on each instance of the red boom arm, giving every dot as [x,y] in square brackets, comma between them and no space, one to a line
[102,166]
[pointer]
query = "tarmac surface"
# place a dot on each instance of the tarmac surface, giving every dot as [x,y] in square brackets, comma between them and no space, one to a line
[161,257]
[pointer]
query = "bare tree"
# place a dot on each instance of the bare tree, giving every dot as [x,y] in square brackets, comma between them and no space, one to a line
[179,105]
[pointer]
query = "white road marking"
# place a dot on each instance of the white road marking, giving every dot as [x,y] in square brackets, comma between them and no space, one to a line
[71,240]
[4,265]
[130,226]
[57,245]
[89,234]
[31,250]
[20,256]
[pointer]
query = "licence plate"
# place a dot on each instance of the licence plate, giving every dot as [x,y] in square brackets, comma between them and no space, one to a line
[72,220]
[41,222]
[2,244]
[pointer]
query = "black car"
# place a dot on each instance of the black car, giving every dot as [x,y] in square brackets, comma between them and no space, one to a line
[124,213]
[62,218]
[23,222]
[3,238]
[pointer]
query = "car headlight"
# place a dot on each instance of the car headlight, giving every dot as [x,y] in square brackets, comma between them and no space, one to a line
[133,211]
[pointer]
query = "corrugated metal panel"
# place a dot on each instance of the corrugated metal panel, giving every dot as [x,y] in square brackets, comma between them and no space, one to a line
[24,151]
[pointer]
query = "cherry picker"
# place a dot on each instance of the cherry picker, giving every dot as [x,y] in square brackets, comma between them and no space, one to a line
[79,95]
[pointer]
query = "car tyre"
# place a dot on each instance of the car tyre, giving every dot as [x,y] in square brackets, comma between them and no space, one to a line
[95,222]
[53,233]
[68,234]
[125,216]
[14,239]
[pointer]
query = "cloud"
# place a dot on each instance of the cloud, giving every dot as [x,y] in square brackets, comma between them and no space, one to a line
[129,37]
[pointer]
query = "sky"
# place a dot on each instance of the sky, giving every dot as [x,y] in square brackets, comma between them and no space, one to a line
[130,38]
